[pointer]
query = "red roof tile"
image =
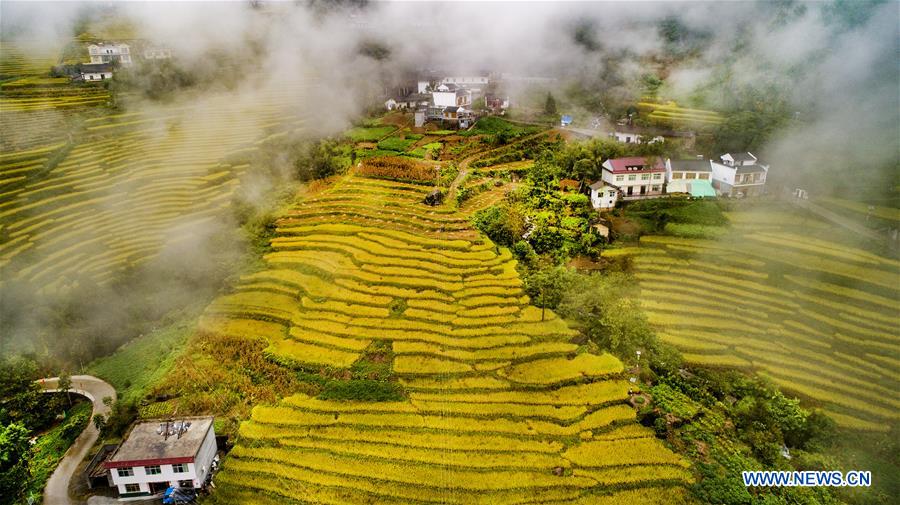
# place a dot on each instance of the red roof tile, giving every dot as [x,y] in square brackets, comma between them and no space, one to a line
[621,164]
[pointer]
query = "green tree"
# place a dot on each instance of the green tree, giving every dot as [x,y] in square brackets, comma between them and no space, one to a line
[20,396]
[14,459]
[504,223]
[547,286]
[607,314]
[65,384]
[550,105]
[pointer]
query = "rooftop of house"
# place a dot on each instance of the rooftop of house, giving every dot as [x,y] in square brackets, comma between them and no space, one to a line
[602,184]
[452,108]
[89,68]
[750,169]
[746,156]
[147,443]
[690,165]
[620,165]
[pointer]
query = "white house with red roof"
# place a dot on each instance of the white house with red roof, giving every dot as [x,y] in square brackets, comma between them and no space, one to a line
[636,177]
[157,455]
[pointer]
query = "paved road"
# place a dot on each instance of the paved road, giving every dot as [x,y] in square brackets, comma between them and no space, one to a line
[834,217]
[57,490]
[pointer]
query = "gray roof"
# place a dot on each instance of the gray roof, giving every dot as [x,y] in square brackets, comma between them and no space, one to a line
[452,108]
[145,442]
[742,156]
[599,184]
[96,67]
[749,169]
[691,165]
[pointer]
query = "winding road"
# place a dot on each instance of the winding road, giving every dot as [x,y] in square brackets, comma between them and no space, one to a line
[57,490]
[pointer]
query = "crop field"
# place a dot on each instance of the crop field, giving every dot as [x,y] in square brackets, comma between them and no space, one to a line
[501,407]
[673,113]
[88,205]
[819,318]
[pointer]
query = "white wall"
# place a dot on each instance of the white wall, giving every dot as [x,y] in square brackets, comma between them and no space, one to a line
[604,198]
[444,98]
[723,173]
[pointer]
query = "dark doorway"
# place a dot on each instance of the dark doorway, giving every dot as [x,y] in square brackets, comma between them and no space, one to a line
[158,487]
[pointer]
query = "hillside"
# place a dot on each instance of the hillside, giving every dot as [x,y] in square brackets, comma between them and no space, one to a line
[777,293]
[501,407]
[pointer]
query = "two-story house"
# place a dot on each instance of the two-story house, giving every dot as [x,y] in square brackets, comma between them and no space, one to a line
[636,177]
[739,175]
[110,53]
[156,455]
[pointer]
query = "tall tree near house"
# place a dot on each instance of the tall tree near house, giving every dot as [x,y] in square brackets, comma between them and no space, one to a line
[65,383]
[550,105]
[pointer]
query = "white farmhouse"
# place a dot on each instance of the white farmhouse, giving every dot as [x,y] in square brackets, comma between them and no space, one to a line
[739,175]
[451,96]
[110,53]
[604,195]
[96,71]
[636,177]
[689,176]
[158,454]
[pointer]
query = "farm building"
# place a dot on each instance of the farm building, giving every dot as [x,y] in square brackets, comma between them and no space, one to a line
[449,95]
[688,169]
[96,71]
[636,177]
[110,53]
[604,195]
[739,175]
[156,455]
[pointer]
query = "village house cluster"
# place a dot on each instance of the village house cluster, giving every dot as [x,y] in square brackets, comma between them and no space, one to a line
[734,175]
[107,56]
[448,99]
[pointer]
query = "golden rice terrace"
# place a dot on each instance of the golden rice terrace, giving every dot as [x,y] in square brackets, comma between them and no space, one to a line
[501,407]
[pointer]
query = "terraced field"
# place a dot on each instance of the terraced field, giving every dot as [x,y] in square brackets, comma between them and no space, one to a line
[501,407]
[818,317]
[110,198]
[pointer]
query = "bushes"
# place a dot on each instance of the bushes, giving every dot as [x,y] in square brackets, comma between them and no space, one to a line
[397,168]
[504,224]
[363,390]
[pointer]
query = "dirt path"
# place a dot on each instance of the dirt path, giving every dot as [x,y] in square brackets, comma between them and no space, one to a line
[57,490]
[838,219]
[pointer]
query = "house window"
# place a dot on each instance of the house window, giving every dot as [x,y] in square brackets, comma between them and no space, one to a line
[125,472]
[179,468]
[153,470]
[691,176]
[676,175]
[620,178]
[132,488]
[657,176]
[655,188]
[612,194]
[632,177]
[704,176]
[645,177]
